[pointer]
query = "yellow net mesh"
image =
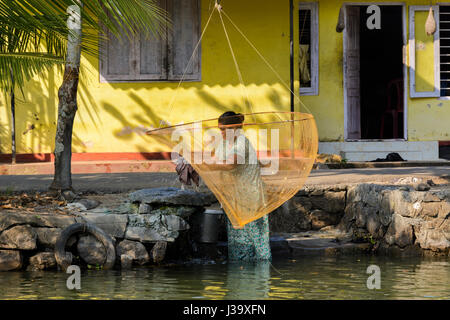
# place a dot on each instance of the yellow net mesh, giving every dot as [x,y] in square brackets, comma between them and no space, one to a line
[252,168]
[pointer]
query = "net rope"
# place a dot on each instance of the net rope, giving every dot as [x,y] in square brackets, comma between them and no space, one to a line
[218,8]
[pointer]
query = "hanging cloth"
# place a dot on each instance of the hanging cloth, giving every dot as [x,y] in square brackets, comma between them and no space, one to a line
[305,75]
[341,20]
[430,25]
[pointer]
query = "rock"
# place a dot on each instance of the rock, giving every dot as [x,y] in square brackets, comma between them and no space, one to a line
[10,260]
[332,202]
[126,261]
[42,261]
[113,224]
[181,211]
[144,234]
[430,209]
[432,239]
[292,216]
[48,237]
[83,205]
[75,206]
[154,227]
[408,180]
[133,249]
[320,219]
[400,231]
[69,195]
[374,226]
[421,187]
[89,203]
[144,208]
[42,220]
[91,250]
[317,192]
[159,251]
[172,196]
[174,223]
[124,208]
[19,237]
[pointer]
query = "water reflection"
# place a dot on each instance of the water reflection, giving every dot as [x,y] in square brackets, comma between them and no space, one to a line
[305,278]
[248,281]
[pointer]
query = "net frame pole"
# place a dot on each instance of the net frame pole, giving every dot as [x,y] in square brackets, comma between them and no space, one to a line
[291,58]
[291,68]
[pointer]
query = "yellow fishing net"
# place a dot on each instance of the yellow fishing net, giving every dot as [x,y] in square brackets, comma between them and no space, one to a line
[253,163]
[252,167]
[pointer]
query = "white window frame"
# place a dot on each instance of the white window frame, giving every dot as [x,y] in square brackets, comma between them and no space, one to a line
[412,55]
[314,7]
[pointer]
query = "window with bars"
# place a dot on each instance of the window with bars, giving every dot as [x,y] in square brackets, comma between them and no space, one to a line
[308,49]
[424,54]
[155,58]
[444,35]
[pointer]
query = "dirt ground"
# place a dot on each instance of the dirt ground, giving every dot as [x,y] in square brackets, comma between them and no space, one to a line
[42,202]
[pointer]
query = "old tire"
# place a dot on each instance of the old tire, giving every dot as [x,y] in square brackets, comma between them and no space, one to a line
[64,259]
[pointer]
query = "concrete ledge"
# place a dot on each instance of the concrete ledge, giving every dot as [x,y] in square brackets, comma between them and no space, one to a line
[402,164]
[85,167]
[371,150]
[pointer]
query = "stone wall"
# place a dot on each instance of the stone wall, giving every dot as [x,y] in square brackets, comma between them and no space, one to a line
[312,208]
[391,218]
[400,219]
[394,218]
[155,216]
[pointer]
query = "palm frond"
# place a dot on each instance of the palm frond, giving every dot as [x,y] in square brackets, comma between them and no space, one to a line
[34,33]
[24,66]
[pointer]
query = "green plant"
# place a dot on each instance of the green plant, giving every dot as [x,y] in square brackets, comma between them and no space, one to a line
[370,239]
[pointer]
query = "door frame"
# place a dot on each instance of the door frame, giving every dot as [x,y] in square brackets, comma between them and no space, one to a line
[405,69]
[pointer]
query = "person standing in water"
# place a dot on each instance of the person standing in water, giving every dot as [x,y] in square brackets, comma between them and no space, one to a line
[251,243]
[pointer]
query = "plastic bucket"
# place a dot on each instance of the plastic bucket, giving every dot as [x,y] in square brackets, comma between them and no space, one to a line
[207,226]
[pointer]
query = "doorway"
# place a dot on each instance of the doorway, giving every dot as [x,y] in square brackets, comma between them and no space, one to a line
[374,74]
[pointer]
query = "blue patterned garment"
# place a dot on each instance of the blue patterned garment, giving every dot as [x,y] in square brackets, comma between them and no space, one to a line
[250,243]
[246,186]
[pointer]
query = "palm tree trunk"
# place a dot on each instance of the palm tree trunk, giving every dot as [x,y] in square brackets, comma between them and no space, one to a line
[13,125]
[67,106]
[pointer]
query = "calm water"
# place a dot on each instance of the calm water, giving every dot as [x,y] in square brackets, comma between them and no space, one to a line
[305,278]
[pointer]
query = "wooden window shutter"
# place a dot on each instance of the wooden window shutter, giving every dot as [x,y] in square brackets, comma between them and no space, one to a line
[183,38]
[424,54]
[152,55]
[116,58]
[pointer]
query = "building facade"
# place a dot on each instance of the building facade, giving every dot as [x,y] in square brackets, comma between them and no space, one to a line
[379,85]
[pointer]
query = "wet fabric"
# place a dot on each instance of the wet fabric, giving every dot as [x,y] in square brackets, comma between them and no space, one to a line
[186,173]
[252,243]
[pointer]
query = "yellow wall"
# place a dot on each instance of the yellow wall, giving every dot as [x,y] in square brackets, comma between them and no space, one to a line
[428,118]
[111,116]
